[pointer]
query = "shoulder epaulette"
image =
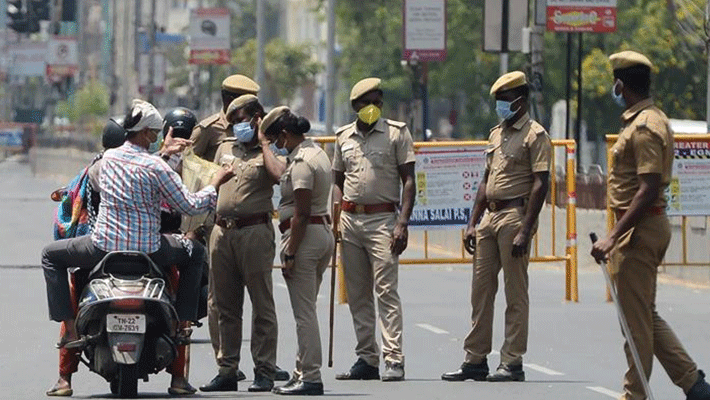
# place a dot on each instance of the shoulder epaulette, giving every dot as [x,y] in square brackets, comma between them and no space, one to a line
[209,120]
[396,124]
[343,128]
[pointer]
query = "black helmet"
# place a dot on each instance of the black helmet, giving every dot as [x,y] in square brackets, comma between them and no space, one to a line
[113,135]
[182,120]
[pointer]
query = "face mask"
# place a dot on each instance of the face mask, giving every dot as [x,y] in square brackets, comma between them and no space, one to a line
[279,151]
[243,132]
[618,98]
[369,114]
[155,146]
[503,109]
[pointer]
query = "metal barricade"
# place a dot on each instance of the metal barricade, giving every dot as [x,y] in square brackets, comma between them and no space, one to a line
[538,255]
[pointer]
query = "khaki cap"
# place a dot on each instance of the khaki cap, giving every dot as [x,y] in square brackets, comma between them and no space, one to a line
[240,83]
[272,116]
[628,58]
[364,86]
[238,103]
[509,81]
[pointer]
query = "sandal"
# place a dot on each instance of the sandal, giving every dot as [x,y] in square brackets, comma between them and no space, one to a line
[60,391]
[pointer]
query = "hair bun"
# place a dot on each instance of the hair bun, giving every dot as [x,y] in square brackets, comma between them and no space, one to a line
[302,125]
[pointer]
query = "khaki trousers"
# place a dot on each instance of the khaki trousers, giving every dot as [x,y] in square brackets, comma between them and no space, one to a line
[312,259]
[494,246]
[244,258]
[212,310]
[368,262]
[637,257]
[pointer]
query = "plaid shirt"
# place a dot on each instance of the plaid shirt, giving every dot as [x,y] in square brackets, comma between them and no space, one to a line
[133,183]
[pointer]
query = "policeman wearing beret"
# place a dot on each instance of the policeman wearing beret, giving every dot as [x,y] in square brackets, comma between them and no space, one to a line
[210,132]
[373,159]
[503,220]
[242,250]
[641,165]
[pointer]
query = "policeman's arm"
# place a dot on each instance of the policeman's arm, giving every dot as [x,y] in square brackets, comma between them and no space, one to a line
[409,189]
[338,182]
[199,141]
[648,192]
[274,166]
[480,203]
[541,182]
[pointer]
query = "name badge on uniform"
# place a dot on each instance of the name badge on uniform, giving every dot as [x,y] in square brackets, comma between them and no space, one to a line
[226,159]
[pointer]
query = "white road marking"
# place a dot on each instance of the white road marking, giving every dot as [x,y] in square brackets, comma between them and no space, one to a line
[432,328]
[542,369]
[605,391]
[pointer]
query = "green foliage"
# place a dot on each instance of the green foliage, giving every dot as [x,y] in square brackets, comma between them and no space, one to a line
[91,100]
[287,67]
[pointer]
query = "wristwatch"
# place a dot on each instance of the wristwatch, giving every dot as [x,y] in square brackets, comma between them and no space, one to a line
[289,257]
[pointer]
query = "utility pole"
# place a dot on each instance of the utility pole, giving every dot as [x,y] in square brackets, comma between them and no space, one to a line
[151,52]
[260,42]
[330,71]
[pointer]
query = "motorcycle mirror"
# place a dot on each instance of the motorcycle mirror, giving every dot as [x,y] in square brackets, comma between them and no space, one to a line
[58,194]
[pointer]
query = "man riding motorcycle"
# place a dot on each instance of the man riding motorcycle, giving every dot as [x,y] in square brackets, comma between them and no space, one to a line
[133,183]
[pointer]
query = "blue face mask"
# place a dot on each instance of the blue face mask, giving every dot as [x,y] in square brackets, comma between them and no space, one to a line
[243,132]
[155,146]
[282,151]
[503,109]
[618,98]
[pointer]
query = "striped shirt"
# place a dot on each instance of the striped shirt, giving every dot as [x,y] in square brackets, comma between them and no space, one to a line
[133,183]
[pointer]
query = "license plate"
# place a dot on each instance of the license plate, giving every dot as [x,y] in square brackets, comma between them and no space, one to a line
[125,323]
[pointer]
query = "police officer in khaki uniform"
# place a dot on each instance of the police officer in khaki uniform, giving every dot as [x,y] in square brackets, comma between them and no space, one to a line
[642,160]
[509,199]
[241,251]
[372,157]
[306,242]
[211,131]
[206,137]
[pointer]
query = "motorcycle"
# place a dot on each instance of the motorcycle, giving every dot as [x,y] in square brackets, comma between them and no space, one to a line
[126,321]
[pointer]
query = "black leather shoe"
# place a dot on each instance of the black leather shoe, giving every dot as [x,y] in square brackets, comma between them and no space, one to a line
[360,371]
[507,373]
[240,375]
[281,375]
[261,384]
[477,372]
[700,390]
[221,383]
[301,389]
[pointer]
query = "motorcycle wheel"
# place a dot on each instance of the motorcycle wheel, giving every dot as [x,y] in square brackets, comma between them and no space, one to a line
[127,380]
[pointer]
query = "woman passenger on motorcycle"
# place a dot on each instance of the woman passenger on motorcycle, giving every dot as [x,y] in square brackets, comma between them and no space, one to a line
[307,241]
[132,183]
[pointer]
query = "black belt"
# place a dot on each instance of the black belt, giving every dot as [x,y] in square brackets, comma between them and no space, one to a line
[497,205]
[241,222]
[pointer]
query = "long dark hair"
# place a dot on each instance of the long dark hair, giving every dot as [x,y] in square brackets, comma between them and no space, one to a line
[290,122]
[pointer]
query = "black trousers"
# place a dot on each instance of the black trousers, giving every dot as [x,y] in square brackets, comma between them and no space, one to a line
[59,256]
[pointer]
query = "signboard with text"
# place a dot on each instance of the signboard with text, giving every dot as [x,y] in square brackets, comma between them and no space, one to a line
[62,57]
[597,16]
[447,180]
[424,30]
[689,193]
[28,59]
[209,36]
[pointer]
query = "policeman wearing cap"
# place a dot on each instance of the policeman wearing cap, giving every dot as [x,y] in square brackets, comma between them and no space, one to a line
[373,159]
[242,251]
[642,160]
[503,220]
[210,132]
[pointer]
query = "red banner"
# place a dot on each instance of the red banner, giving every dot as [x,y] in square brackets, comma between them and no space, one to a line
[209,57]
[581,19]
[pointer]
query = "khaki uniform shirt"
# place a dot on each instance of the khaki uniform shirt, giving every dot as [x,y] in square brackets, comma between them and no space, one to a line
[250,190]
[370,161]
[514,153]
[644,146]
[308,168]
[209,134]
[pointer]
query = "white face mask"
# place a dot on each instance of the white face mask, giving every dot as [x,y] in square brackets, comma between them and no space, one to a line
[503,109]
[618,98]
